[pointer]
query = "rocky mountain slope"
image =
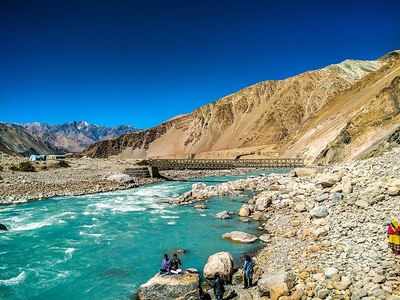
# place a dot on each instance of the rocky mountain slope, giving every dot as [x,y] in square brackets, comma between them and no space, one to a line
[74,136]
[306,115]
[16,140]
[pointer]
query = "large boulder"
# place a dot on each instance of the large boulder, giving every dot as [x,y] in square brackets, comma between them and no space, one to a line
[244,211]
[347,186]
[362,203]
[297,294]
[3,227]
[319,212]
[393,187]
[258,216]
[300,207]
[221,263]
[224,189]
[331,272]
[245,294]
[199,186]
[165,287]
[328,180]
[275,284]
[199,191]
[200,206]
[240,237]
[121,178]
[342,284]
[266,238]
[323,197]
[223,215]
[264,200]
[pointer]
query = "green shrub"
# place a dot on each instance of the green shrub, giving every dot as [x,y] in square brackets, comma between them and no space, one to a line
[25,166]
[63,164]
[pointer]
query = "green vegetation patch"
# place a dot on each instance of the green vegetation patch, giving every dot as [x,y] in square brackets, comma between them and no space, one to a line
[25,166]
[63,164]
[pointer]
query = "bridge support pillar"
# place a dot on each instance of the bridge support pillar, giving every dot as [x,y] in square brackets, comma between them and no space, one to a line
[154,173]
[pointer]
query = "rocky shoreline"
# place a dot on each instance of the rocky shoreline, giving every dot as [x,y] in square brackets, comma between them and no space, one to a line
[84,176]
[81,177]
[324,231]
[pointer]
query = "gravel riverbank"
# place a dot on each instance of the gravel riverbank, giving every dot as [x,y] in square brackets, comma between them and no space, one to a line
[84,176]
[324,230]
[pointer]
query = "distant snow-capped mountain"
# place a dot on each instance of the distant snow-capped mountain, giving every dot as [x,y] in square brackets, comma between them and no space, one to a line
[74,136]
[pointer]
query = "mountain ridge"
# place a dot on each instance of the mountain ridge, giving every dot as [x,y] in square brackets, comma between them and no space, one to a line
[16,140]
[267,116]
[74,136]
[43,138]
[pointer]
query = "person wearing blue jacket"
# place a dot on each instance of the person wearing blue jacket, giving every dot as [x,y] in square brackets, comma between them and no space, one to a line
[248,271]
[165,265]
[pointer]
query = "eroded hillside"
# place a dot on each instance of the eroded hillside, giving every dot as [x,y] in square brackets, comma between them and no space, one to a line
[304,115]
[15,140]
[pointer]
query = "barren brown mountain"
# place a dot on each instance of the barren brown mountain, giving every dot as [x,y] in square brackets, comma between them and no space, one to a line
[340,112]
[16,140]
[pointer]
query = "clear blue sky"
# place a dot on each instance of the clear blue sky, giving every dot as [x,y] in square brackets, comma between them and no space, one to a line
[141,62]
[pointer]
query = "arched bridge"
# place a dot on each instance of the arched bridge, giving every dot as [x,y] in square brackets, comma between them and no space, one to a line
[224,164]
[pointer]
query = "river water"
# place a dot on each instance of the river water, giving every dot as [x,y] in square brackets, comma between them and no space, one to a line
[104,246]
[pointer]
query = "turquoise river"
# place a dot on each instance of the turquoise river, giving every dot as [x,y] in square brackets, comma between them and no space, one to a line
[104,246]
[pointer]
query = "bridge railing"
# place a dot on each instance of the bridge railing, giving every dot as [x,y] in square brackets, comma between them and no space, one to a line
[204,164]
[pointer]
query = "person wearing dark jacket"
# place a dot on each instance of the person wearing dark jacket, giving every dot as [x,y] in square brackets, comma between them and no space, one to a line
[219,287]
[176,264]
[248,271]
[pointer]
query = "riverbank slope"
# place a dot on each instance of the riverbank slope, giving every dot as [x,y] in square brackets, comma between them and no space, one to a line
[79,176]
[324,229]
[76,177]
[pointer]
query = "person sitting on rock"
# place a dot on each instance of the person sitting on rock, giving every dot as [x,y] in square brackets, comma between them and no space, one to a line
[393,231]
[219,287]
[165,265]
[176,264]
[248,271]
